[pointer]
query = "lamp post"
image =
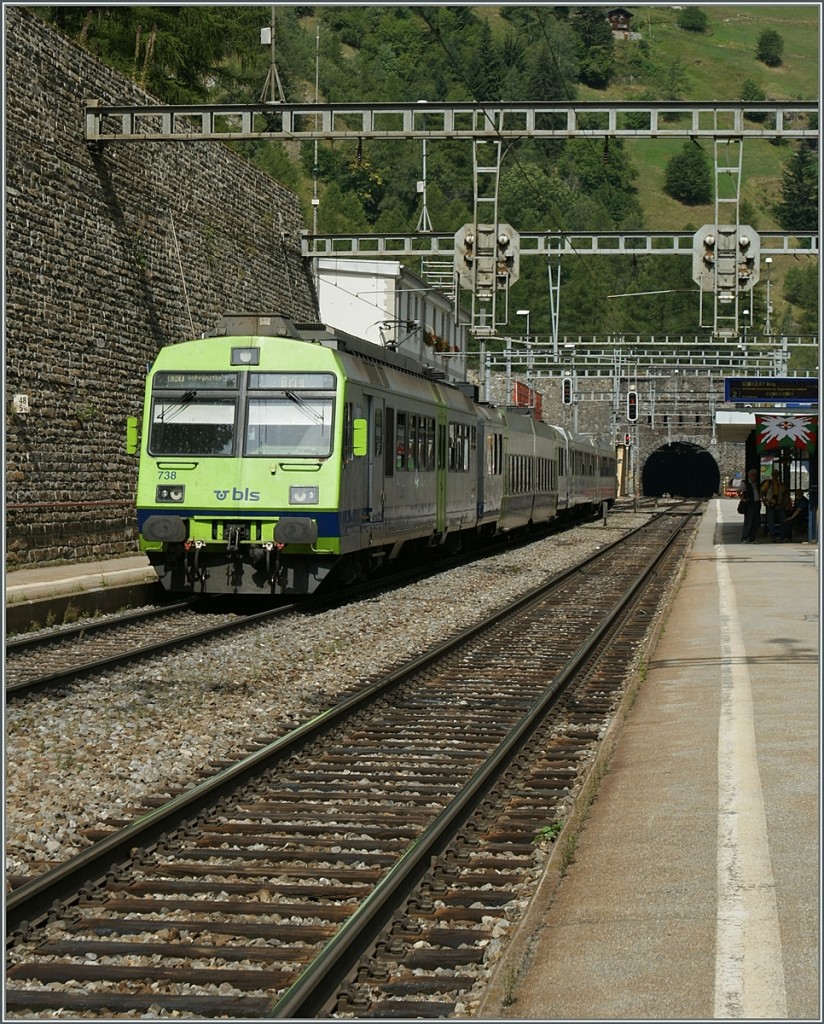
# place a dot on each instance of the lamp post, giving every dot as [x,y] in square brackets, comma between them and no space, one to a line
[525,312]
[746,313]
[768,322]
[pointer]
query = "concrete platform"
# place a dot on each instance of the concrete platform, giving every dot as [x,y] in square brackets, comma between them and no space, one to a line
[30,584]
[693,893]
[61,590]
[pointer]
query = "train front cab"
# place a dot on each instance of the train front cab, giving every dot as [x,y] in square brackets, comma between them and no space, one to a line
[238,481]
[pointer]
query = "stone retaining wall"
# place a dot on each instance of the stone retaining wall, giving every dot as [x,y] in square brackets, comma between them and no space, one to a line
[110,255]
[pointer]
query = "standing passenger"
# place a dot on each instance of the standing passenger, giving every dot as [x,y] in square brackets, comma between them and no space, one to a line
[752,515]
[797,519]
[772,491]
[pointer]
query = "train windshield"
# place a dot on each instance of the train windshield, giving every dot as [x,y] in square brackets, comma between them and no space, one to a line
[192,426]
[291,423]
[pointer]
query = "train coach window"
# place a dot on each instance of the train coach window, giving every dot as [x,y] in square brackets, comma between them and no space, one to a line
[494,454]
[401,440]
[192,426]
[289,425]
[430,442]
[389,449]
[378,432]
[413,448]
[461,439]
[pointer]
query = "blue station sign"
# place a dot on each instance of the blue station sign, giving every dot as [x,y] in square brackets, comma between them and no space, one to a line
[780,390]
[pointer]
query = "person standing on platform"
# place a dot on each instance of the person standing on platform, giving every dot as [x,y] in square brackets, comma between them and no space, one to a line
[774,495]
[797,519]
[752,515]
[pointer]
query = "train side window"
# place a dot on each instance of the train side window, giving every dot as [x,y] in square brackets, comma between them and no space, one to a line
[378,432]
[465,442]
[420,458]
[389,448]
[430,443]
[348,433]
[453,448]
[401,441]
[412,443]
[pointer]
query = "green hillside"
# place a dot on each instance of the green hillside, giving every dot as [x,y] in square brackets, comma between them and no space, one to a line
[712,66]
[372,53]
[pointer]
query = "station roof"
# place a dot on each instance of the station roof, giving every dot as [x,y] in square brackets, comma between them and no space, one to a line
[735,425]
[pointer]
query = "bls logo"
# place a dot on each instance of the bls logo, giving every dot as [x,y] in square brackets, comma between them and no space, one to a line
[237,494]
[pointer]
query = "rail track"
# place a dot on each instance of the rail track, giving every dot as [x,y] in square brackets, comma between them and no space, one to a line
[49,659]
[97,646]
[400,822]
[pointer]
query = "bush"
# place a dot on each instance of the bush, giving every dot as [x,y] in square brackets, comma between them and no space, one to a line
[687,177]
[770,48]
[751,92]
[692,19]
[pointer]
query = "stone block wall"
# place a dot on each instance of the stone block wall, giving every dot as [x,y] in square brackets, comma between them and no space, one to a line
[110,255]
[673,407]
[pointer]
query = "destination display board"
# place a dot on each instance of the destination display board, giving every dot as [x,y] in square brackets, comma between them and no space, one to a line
[785,390]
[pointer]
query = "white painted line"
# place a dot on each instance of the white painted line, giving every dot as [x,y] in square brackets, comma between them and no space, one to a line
[749,966]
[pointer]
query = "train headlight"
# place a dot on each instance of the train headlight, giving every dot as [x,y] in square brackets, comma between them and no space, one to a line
[299,495]
[170,494]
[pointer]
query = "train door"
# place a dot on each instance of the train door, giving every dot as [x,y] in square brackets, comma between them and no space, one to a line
[441,472]
[376,497]
[480,469]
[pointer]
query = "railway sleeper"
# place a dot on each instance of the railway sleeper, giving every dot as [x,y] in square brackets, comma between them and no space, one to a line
[59,972]
[190,951]
[244,908]
[147,1002]
[428,984]
[285,933]
[406,1009]
[437,959]
[316,843]
[294,857]
[262,879]
[450,938]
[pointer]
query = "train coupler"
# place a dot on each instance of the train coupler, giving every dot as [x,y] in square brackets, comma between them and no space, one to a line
[274,571]
[195,573]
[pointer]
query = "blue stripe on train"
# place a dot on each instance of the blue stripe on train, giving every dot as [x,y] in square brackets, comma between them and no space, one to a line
[327,521]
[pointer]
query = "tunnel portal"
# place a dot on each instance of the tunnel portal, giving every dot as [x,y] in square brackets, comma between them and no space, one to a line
[681,469]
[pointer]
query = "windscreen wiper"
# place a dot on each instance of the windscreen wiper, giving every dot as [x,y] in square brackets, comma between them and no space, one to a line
[185,398]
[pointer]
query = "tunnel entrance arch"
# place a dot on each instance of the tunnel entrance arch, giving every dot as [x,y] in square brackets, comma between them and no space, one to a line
[682,469]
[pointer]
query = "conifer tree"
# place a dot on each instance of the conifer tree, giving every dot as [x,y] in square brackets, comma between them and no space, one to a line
[687,177]
[798,209]
[596,50]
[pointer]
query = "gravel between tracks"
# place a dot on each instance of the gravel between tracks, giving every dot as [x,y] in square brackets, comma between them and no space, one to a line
[101,746]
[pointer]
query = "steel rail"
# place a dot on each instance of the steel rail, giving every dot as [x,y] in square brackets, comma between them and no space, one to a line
[135,654]
[37,896]
[29,642]
[307,997]
[316,602]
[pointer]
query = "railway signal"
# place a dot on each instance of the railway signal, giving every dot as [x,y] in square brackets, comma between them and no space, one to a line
[566,392]
[627,440]
[632,406]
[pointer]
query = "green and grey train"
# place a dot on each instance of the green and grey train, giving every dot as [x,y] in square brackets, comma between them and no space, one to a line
[276,456]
